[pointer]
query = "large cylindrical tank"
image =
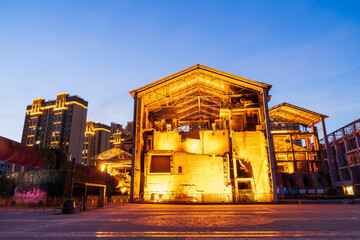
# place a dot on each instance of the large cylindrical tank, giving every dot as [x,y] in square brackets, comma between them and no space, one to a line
[14,152]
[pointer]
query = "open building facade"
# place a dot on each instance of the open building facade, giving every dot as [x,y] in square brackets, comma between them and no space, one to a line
[301,167]
[344,146]
[203,135]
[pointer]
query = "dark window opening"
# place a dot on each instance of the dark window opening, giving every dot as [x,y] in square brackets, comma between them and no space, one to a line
[160,164]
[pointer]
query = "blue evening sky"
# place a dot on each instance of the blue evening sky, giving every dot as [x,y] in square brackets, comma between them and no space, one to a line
[100,50]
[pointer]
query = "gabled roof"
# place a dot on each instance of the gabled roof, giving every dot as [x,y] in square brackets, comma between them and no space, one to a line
[227,77]
[113,153]
[291,113]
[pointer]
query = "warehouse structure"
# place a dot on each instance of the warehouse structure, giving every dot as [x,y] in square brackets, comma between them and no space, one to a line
[202,135]
[301,168]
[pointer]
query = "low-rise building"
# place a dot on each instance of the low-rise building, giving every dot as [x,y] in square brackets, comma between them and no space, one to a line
[344,147]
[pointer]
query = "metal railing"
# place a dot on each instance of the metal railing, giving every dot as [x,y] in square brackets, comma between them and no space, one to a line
[26,204]
[344,131]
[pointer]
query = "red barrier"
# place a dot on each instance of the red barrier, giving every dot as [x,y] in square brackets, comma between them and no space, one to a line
[14,152]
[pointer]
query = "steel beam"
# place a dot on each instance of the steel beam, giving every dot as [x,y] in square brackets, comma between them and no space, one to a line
[133,150]
[328,153]
[270,145]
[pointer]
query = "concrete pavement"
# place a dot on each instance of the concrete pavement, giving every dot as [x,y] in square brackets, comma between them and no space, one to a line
[141,221]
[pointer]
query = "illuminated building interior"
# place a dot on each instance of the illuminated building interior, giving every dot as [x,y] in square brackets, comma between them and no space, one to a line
[201,136]
[300,167]
[117,163]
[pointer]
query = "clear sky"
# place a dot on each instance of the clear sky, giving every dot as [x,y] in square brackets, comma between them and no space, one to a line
[100,50]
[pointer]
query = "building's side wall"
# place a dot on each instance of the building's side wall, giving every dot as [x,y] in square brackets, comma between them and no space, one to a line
[77,132]
[250,147]
[345,154]
[104,142]
[203,168]
[209,142]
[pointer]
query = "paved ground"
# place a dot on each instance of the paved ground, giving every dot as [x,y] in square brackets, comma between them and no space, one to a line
[140,221]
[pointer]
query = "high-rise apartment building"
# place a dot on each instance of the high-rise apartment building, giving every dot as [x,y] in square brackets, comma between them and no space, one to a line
[116,128]
[97,140]
[57,124]
[115,137]
[129,128]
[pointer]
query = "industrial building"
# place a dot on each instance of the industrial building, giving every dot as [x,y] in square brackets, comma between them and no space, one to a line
[344,146]
[202,135]
[58,124]
[300,166]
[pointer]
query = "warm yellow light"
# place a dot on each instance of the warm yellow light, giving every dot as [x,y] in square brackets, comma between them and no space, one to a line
[59,108]
[104,129]
[47,107]
[73,102]
[36,113]
[103,168]
[349,190]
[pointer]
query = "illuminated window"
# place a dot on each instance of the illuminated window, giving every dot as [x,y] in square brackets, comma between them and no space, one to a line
[160,164]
